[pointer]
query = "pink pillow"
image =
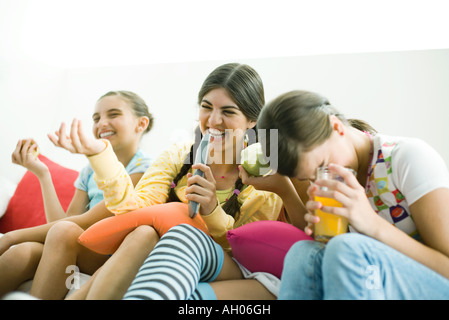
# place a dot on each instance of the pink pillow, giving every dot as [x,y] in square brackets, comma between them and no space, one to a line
[26,207]
[261,246]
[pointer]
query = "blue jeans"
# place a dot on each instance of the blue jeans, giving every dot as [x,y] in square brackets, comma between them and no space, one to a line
[354,266]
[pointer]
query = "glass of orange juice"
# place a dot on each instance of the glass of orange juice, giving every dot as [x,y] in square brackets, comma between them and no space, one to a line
[330,225]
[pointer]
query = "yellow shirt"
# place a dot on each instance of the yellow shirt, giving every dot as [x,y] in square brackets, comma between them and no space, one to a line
[153,188]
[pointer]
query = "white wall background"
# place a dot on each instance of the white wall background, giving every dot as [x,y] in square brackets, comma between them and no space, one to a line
[57,58]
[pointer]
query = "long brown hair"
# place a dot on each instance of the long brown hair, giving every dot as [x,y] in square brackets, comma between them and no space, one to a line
[302,120]
[245,88]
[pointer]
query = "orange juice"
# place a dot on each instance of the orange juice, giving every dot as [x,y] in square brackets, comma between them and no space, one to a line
[330,225]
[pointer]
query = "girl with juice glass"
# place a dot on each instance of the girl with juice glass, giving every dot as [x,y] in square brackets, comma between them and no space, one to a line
[396,206]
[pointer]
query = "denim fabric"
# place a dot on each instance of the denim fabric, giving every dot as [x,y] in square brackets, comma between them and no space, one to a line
[354,266]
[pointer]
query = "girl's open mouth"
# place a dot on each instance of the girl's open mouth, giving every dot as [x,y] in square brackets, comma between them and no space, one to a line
[106,134]
[216,135]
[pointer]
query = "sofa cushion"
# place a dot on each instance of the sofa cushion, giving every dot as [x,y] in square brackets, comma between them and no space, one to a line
[261,246]
[26,207]
[105,236]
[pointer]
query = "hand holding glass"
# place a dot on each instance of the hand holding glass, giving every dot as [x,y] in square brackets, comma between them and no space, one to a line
[330,225]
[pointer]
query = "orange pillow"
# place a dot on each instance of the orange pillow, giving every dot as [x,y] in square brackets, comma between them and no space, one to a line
[105,236]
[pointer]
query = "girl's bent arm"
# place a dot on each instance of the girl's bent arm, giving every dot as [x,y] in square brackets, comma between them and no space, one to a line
[153,188]
[52,206]
[292,192]
[79,203]
[431,216]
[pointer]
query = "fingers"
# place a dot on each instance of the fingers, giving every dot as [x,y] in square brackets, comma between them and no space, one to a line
[15,156]
[246,178]
[199,195]
[341,191]
[256,180]
[311,190]
[83,138]
[74,136]
[80,141]
[201,189]
[33,147]
[60,138]
[339,210]
[203,195]
[323,185]
[338,193]
[311,219]
[207,180]
[207,172]
[330,189]
[25,151]
[308,230]
[348,175]
[249,179]
[53,139]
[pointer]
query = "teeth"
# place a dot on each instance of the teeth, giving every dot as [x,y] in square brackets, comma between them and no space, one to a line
[215,132]
[106,134]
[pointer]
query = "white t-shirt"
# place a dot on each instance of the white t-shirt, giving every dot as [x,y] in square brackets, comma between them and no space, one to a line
[420,169]
[403,170]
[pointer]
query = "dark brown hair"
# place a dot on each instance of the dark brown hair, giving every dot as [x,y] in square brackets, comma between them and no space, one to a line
[302,120]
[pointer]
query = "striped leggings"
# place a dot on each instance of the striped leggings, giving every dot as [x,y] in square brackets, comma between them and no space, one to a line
[179,267]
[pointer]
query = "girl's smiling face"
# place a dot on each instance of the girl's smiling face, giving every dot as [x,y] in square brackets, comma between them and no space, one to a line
[221,117]
[114,119]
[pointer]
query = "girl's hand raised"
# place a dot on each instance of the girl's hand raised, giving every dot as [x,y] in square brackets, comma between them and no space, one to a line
[25,155]
[77,141]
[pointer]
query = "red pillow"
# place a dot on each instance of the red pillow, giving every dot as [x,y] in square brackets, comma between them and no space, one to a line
[261,246]
[26,207]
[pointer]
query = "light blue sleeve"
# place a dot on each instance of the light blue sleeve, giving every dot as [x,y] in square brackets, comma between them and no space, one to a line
[81,182]
[139,163]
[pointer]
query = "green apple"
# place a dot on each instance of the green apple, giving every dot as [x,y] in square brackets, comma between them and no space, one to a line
[254,161]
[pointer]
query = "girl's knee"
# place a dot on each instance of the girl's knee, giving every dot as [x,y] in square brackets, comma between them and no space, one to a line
[64,233]
[18,264]
[347,251]
[183,227]
[26,252]
[348,242]
[302,258]
[144,231]
[183,230]
[301,249]
[145,235]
